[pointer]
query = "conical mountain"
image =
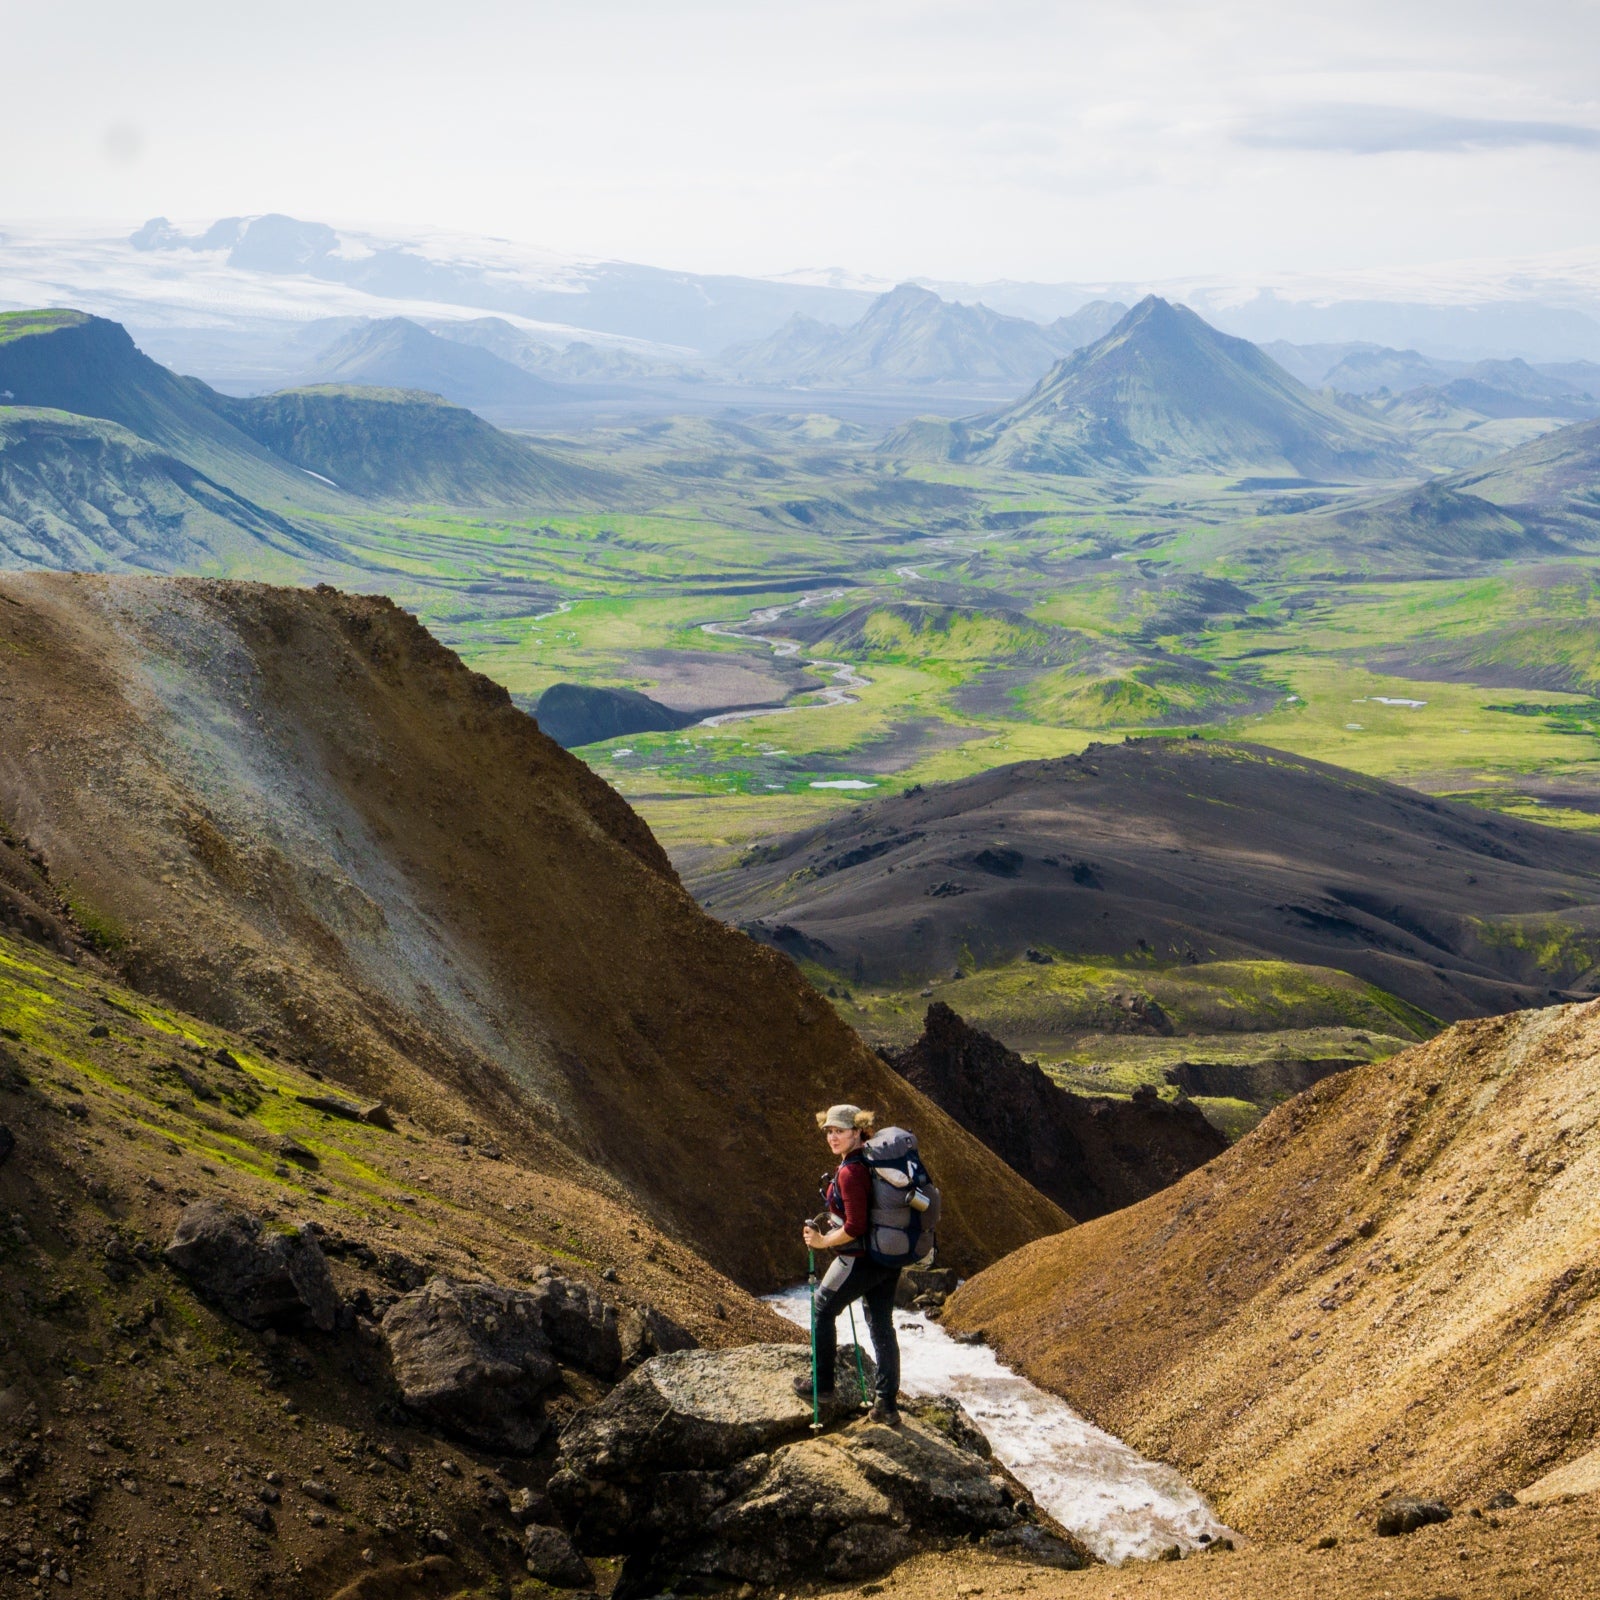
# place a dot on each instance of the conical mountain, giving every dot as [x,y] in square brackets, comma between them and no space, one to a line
[1164,392]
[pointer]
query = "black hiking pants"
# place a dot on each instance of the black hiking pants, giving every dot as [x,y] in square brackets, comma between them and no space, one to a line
[874,1286]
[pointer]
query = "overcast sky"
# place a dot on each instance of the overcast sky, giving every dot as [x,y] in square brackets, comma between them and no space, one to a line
[1078,141]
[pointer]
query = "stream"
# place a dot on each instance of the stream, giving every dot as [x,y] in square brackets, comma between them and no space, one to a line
[1121,1505]
[845,677]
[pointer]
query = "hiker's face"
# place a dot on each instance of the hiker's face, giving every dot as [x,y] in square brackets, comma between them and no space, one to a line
[841,1141]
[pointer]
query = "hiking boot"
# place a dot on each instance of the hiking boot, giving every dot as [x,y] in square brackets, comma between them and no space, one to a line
[886,1412]
[802,1387]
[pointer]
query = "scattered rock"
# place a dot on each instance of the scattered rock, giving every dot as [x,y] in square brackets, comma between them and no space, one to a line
[1404,1514]
[552,1559]
[930,1285]
[257,1276]
[293,1150]
[315,1489]
[258,1517]
[99,1031]
[376,1114]
[473,1359]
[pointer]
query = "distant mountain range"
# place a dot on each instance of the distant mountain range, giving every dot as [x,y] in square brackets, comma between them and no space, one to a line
[238,300]
[1164,391]
[110,462]
[910,337]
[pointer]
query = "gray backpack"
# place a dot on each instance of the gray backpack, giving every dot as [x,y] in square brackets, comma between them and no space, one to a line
[904,1216]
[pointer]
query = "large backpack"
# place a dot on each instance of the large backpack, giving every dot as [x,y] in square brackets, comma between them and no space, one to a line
[904,1216]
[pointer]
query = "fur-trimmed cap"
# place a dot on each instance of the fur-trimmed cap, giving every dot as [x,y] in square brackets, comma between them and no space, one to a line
[847,1117]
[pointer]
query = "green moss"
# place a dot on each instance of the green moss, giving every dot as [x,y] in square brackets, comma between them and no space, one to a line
[26,324]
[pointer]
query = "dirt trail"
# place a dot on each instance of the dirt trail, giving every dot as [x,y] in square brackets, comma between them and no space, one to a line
[1393,1284]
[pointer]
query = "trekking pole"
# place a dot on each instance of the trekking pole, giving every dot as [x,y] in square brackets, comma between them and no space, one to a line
[816,1398]
[855,1339]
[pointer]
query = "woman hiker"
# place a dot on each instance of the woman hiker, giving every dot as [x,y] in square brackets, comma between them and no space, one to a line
[852,1275]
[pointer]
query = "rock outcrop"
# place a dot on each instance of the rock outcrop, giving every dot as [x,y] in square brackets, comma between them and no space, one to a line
[704,1462]
[475,1359]
[255,1274]
[1090,1154]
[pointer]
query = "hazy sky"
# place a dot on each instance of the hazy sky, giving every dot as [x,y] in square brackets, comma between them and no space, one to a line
[1138,139]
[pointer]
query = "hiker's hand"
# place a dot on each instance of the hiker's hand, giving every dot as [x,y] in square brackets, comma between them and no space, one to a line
[812,1238]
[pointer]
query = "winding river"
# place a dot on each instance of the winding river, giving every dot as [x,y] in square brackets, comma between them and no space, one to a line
[845,677]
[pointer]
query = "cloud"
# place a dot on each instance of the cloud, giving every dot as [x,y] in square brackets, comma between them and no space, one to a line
[1370,130]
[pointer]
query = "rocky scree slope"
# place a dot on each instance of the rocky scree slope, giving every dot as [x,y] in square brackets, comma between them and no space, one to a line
[1170,850]
[1389,1286]
[246,1323]
[1090,1154]
[297,815]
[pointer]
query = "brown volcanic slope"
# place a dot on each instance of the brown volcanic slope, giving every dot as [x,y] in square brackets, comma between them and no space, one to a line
[1090,1153]
[297,815]
[137,1424]
[1168,848]
[1393,1283]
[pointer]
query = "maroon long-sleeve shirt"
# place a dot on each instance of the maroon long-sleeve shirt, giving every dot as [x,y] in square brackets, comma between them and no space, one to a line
[850,1197]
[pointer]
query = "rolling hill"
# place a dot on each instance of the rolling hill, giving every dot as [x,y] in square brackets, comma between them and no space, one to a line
[1164,392]
[1170,851]
[908,338]
[296,815]
[395,353]
[405,445]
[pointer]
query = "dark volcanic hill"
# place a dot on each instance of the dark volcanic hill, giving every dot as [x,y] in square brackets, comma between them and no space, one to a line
[575,714]
[1089,1153]
[1165,392]
[909,336]
[395,353]
[1168,850]
[296,815]
[402,444]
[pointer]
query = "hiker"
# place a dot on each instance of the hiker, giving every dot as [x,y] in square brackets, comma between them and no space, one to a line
[852,1276]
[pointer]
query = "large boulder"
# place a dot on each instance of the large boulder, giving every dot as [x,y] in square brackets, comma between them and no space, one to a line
[644,1332]
[257,1275]
[581,1327]
[476,1358]
[705,1462]
[473,1358]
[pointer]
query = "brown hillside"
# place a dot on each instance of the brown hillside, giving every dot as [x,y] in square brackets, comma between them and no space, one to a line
[297,815]
[138,1424]
[1391,1284]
